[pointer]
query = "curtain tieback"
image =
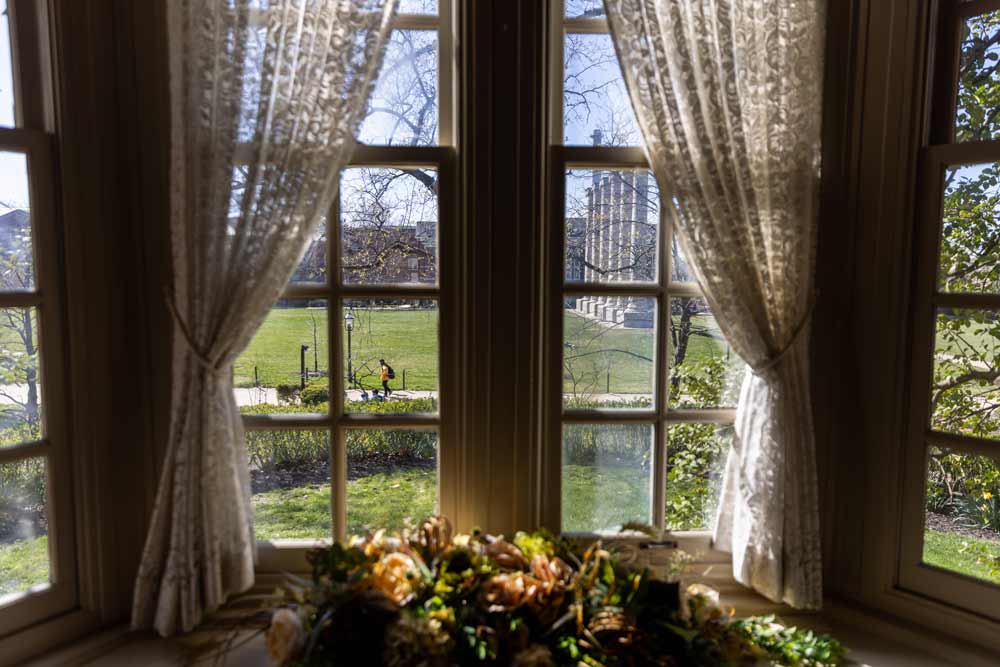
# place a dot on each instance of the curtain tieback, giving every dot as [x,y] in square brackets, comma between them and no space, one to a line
[776,359]
[196,351]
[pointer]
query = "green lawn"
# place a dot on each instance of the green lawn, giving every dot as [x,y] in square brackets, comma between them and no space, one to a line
[406,339]
[380,500]
[594,349]
[603,498]
[23,564]
[943,550]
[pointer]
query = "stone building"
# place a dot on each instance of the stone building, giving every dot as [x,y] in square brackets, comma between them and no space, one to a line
[617,243]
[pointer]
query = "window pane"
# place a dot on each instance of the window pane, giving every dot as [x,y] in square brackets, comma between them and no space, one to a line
[391,478]
[970,234]
[20,384]
[17,269]
[705,372]
[391,344]
[24,526]
[606,477]
[965,398]
[403,110]
[962,523]
[288,351]
[608,351]
[612,218]
[290,484]
[389,220]
[418,7]
[680,268]
[312,266]
[696,460]
[976,116]
[584,8]
[596,107]
[6,69]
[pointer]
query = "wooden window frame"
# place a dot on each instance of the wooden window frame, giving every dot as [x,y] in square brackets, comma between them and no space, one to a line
[941,153]
[34,137]
[289,555]
[660,416]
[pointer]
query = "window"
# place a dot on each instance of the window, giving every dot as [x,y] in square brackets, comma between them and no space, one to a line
[37,570]
[331,452]
[646,382]
[951,534]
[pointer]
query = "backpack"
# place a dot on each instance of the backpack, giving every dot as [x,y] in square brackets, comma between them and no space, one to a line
[392,373]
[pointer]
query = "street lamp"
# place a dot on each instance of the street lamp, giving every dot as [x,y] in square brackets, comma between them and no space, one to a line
[302,366]
[349,324]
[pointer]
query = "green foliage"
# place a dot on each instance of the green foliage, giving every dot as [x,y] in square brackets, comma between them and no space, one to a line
[291,448]
[789,645]
[966,487]
[315,393]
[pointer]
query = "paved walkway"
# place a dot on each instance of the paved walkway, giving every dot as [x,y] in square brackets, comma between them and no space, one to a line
[265,395]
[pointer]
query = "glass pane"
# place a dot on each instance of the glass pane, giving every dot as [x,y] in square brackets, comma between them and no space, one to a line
[612,223]
[418,7]
[606,476]
[584,8]
[20,383]
[962,522]
[290,484]
[696,460]
[970,234]
[965,398]
[612,218]
[596,106]
[312,266]
[978,83]
[680,268]
[6,69]
[24,526]
[391,355]
[391,478]
[284,369]
[705,372]
[403,110]
[609,345]
[17,268]
[389,220]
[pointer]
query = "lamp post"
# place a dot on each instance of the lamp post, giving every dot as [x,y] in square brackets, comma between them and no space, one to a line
[302,365]
[349,324]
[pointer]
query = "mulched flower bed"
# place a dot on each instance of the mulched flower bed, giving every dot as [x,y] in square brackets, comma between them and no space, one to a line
[949,524]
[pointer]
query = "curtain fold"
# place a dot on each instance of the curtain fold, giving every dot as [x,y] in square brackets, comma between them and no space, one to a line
[266,99]
[728,96]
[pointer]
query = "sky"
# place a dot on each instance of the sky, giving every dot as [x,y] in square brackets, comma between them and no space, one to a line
[13,167]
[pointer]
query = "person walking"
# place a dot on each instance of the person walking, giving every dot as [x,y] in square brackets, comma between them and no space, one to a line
[385,375]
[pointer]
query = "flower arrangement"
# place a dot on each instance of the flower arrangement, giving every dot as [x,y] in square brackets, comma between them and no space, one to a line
[428,598]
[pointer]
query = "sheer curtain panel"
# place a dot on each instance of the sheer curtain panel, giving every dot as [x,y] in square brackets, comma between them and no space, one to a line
[266,99]
[728,96]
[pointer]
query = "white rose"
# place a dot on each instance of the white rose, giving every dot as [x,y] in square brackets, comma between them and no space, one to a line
[285,637]
[703,600]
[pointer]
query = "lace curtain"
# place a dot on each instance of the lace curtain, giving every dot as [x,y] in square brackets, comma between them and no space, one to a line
[266,99]
[728,95]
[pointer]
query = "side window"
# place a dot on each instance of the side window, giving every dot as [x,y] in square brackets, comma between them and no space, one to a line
[37,571]
[952,536]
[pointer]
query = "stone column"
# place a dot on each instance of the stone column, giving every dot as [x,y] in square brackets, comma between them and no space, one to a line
[640,315]
[616,243]
[583,303]
[628,240]
[604,224]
